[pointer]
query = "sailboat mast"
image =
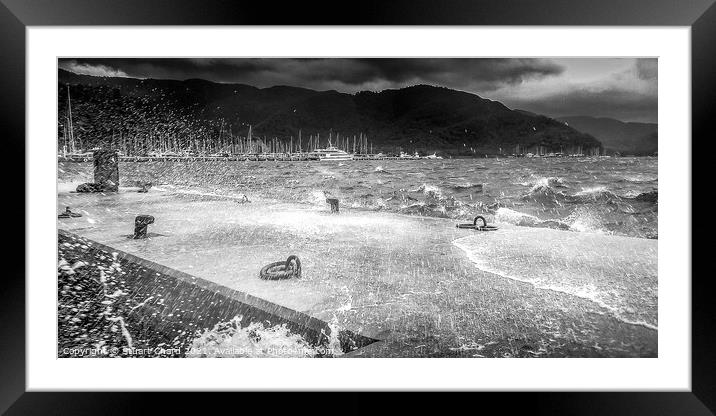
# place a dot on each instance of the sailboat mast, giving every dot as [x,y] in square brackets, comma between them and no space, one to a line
[69,121]
[64,136]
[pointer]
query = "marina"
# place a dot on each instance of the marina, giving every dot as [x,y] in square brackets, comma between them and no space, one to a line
[279,157]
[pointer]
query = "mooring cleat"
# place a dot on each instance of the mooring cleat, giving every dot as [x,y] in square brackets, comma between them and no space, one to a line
[334,204]
[69,214]
[144,187]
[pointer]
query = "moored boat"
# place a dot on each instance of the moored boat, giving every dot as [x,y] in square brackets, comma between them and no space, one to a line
[332,153]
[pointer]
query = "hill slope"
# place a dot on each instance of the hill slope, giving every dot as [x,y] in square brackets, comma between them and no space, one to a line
[615,135]
[422,118]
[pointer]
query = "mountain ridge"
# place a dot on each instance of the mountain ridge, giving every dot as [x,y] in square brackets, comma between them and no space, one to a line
[416,118]
[627,138]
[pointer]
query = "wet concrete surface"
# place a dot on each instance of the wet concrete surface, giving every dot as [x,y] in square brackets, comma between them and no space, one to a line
[397,278]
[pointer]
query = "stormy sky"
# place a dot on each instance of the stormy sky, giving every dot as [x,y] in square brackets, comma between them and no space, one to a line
[620,88]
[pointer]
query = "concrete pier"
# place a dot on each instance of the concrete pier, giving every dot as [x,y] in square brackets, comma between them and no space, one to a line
[402,279]
[170,305]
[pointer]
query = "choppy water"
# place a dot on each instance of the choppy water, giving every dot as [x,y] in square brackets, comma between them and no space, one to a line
[607,195]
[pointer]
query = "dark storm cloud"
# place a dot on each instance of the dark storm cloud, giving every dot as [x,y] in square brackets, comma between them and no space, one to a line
[554,87]
[646,68]
[346,75]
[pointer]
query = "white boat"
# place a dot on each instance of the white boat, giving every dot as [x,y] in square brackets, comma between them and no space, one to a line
[404,155]
[78,156]
[332,153]
[433,156]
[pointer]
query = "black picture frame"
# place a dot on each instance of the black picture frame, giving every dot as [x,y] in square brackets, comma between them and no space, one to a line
[16,15]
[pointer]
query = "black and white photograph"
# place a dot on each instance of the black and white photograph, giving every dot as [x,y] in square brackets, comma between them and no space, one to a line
[357,207]
[420,196]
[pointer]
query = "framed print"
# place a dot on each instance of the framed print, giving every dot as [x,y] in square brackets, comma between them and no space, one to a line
[455,198]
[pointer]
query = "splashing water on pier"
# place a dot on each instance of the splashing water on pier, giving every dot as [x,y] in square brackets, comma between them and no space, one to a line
[607,195]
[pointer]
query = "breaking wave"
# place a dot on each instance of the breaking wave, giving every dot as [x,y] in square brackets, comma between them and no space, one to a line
[624,203]
[588,292]
[540,181]
[467,186]
[231,339]
[546,194]
[638,179]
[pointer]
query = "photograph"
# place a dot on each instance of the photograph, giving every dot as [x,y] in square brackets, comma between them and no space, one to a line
[357,207]
[461,197]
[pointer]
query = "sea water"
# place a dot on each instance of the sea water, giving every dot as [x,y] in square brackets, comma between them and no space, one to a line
[604,195]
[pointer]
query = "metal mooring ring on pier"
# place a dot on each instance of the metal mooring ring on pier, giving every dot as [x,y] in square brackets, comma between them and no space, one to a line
[282,269]
[484,226]
[474,226]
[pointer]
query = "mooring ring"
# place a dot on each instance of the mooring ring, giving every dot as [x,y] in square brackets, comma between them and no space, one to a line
[295,259]
[281,269]
[474,226]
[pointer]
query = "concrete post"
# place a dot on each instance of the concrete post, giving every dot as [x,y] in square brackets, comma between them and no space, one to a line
[106,170]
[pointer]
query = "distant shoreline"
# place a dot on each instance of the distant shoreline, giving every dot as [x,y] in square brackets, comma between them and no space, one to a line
[240,158]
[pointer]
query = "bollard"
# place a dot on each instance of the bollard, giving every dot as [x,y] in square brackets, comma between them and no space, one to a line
[89,188]
[106,170]
[141,222]
[69,214]
[334,204]
[144,187]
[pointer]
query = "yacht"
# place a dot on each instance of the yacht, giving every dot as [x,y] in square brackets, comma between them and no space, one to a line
[332,153]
